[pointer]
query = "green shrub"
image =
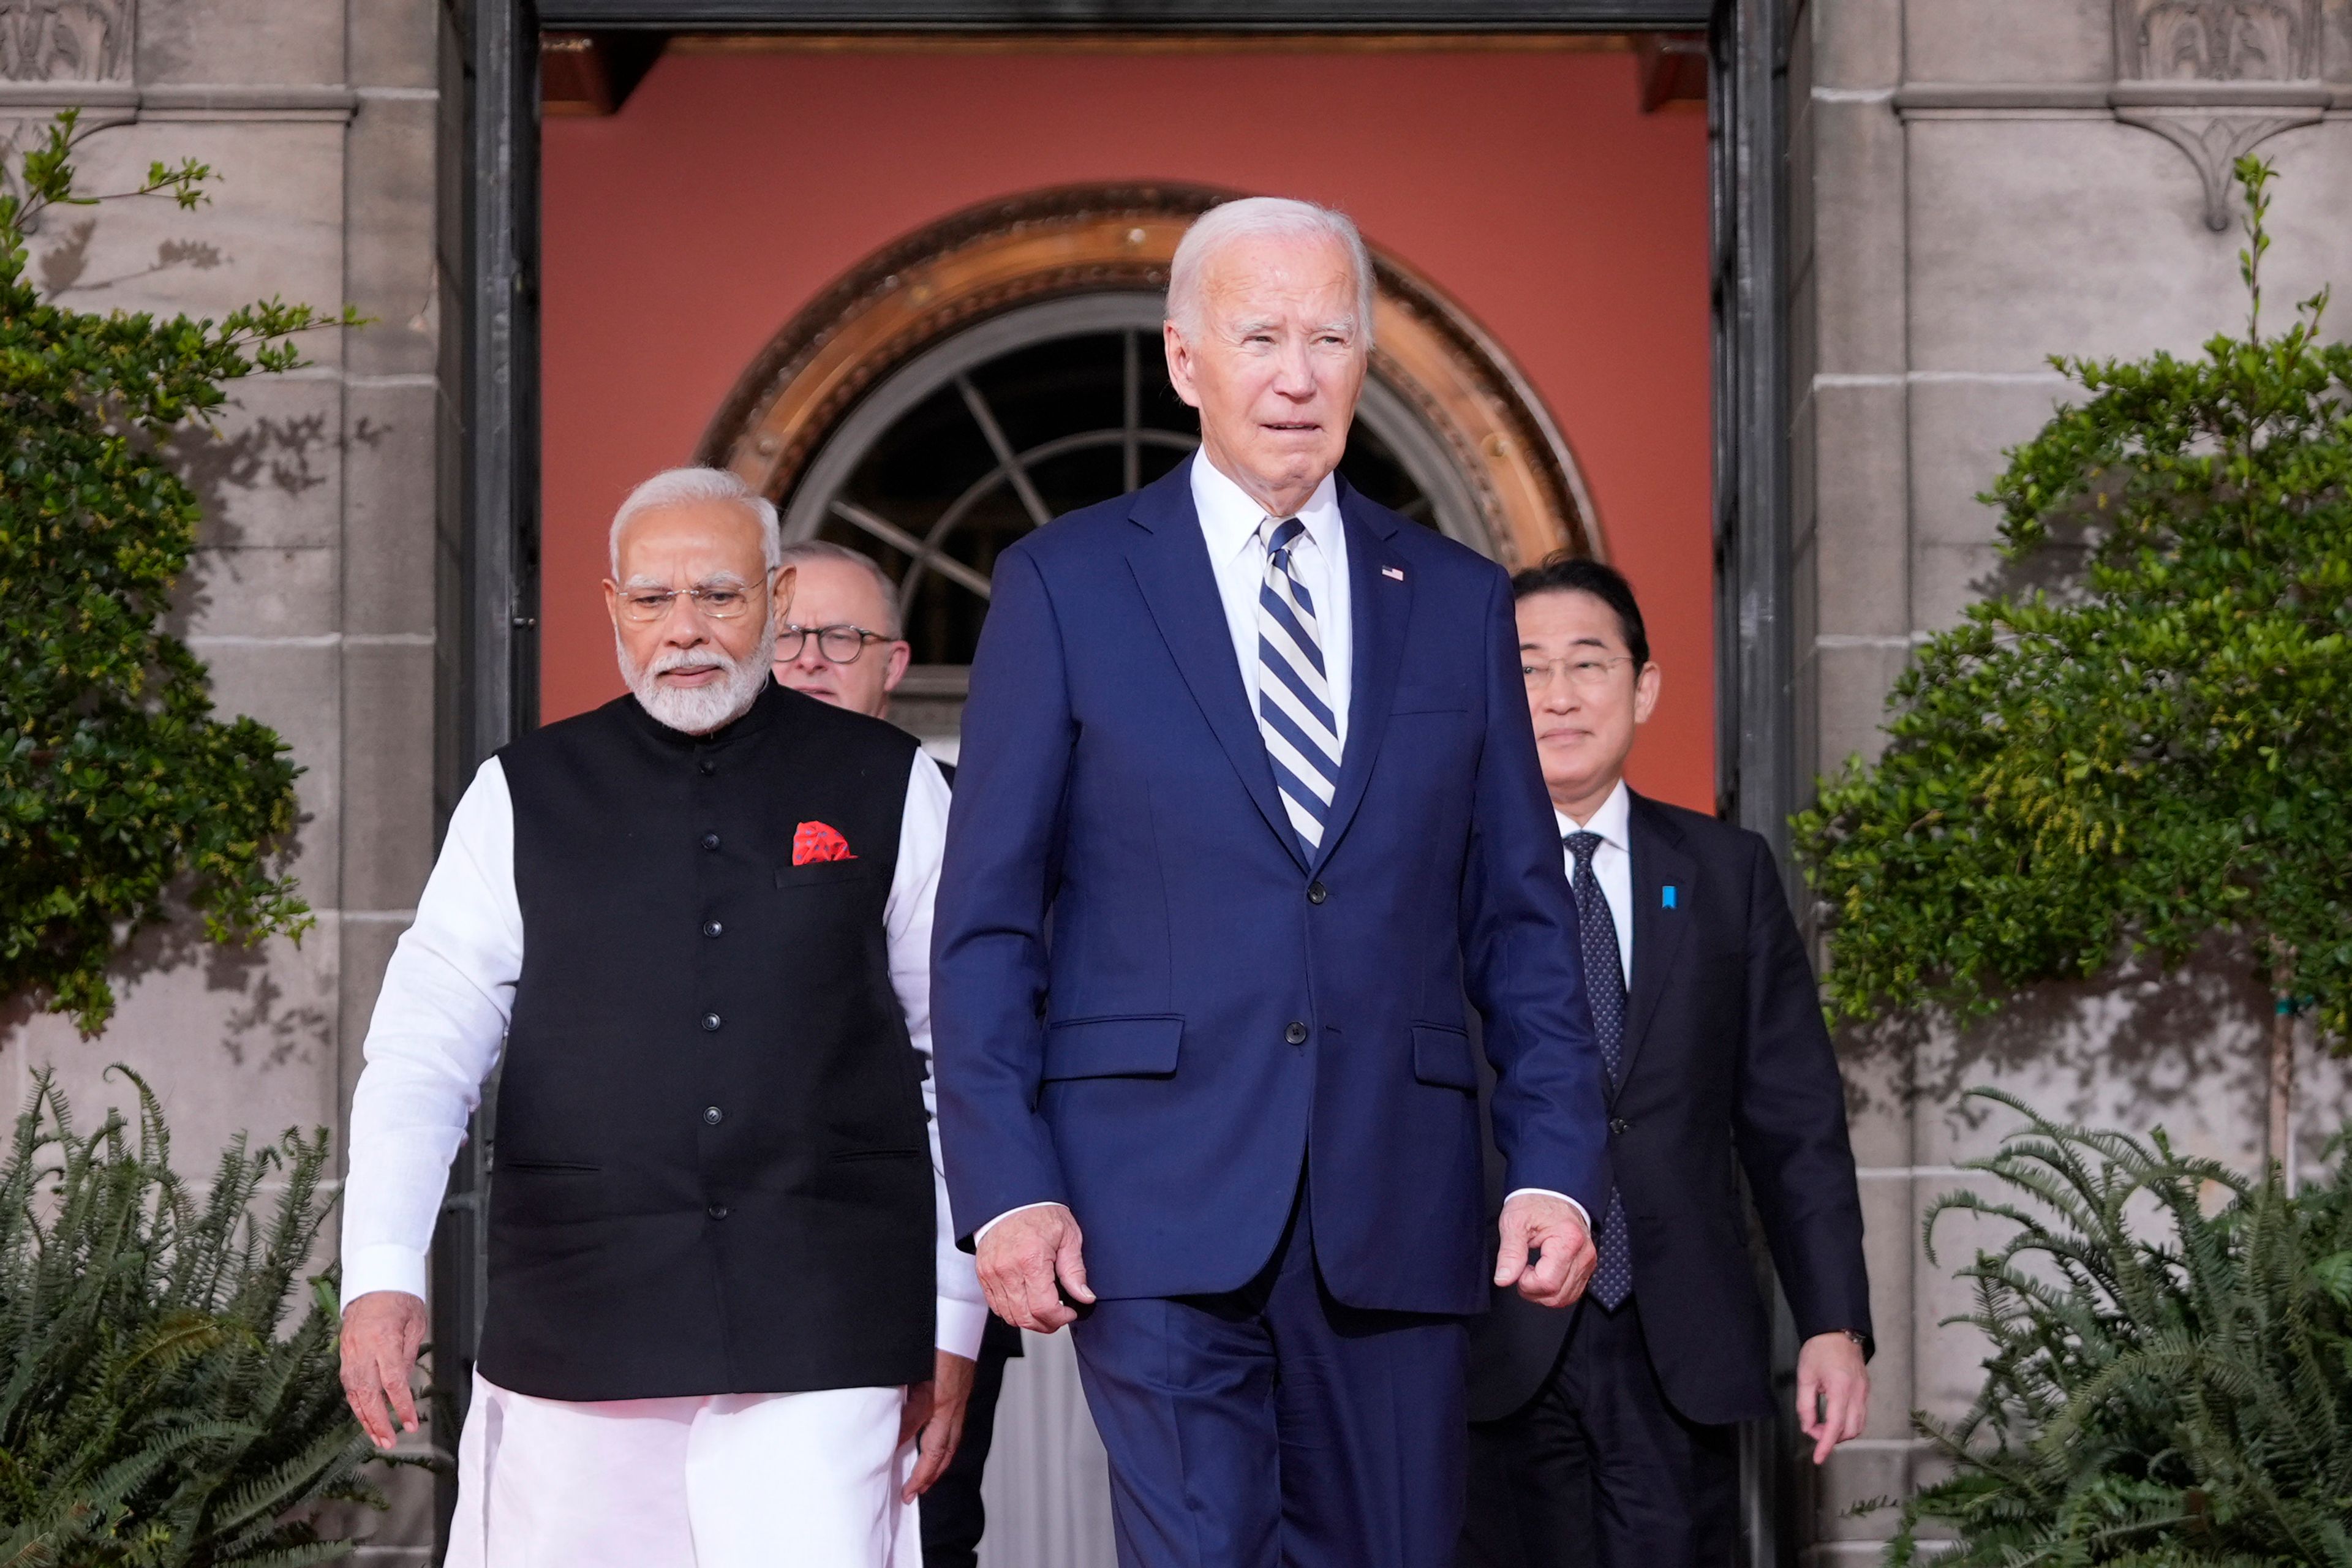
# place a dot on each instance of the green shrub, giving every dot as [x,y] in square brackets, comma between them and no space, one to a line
[118,786]
[2166,1386]
[152,1415]
[2157,754]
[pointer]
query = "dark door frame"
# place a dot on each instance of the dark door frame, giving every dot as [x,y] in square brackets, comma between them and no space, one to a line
[489,184]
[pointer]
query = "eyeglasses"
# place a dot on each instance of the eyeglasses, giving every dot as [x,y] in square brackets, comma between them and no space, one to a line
[1588,674]
[646,605]
[840,645]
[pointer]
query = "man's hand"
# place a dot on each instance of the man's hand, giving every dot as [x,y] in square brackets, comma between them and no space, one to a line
[381,1332]
[1550,1227]
[1832,1391]
[1023,1257]
[934,1417]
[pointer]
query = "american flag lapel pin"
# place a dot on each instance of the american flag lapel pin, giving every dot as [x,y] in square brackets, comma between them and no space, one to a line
[1395,572]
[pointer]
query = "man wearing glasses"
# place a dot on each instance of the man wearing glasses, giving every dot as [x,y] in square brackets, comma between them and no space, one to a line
[841,644]
[1604,1436]
[727,1323]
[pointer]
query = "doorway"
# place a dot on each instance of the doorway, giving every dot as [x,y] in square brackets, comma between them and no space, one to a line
[503,678]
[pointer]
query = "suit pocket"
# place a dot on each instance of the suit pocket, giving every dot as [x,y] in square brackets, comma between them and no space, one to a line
[851,1156]
[1430,699]
[818,872]
[1141,1046]
[1442,1057]
[556,1166]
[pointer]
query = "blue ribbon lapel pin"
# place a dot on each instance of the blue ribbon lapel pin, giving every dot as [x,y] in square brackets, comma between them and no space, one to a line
[1666,897]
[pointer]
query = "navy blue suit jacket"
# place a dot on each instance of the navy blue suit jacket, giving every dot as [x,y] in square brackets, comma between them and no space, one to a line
[1127,930]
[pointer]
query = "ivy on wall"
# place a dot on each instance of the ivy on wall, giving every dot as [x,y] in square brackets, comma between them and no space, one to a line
[121,792]
[2158,748]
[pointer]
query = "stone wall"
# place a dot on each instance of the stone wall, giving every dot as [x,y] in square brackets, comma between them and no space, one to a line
[1978,183]
[311,596]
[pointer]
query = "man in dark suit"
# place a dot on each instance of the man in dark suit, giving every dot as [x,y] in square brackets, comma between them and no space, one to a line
[1259,750]
[1604,1436]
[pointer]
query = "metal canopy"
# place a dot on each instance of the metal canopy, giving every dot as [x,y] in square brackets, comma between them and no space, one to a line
[1132,15]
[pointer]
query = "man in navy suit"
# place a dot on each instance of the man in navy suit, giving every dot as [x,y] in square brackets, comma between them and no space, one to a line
[1249,801]
[1606,1437]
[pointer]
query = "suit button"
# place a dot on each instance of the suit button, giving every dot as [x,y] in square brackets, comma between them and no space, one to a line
[712,1114]
[707,768]
[710,841]
[717,1211]
[1317,893]
[1295,1034]
[1619,1126]
[711,928]
[711,1022]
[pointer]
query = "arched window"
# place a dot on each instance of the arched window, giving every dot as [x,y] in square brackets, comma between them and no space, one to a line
[1002,367]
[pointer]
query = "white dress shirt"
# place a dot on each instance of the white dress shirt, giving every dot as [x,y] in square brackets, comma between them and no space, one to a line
[1230,520]
[1613,865]
[441,1020]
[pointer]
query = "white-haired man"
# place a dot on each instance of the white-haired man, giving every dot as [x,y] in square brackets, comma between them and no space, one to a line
[691,929]
[1258,750]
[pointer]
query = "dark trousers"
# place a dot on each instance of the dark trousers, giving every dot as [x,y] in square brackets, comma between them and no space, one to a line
[1274,1427]
[1599,1470]
[951,1511]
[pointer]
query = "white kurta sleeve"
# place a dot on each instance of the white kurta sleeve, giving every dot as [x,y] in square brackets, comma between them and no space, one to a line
[922,839]
[440,1021]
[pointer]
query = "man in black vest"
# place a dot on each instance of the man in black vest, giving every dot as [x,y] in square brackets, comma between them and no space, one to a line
[843,646]
[1603,1437]
[690,930]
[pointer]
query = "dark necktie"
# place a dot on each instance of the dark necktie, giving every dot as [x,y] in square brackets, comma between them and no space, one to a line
[1605,988]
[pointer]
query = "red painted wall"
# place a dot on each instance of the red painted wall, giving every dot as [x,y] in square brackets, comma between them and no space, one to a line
[681,233]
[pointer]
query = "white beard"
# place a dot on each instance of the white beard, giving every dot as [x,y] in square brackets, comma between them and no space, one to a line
[698,710]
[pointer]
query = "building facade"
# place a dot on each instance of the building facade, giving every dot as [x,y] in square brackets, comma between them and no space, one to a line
[1968,187]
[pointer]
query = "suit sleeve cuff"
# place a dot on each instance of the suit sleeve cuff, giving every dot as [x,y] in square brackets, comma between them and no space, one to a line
[981,1235]
[383,1266]
[962,1324]
[1581,1213]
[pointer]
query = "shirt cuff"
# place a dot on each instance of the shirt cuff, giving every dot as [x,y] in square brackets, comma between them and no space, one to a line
[962,1324]
[981,1234]
[1547,1192]
[383,1266]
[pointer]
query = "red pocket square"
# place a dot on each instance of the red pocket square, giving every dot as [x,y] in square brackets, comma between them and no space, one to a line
[813,841]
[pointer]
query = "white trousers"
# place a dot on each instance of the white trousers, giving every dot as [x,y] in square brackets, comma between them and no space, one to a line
[757,1481]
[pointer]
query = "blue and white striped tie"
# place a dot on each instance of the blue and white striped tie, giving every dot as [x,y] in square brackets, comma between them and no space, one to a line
[1293,693]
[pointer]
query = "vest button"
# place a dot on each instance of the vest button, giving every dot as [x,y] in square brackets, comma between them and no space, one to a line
[1295,1034]
[1317,893]
[710,841]
[712,1114]
[711,1022]
[717,1211]
[712,928]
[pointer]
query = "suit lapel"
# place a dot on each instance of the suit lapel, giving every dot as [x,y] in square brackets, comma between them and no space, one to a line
[1171,560]
[1378,608]
[1659,863]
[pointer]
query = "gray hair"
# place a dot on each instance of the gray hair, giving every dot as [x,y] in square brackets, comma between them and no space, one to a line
[684,487]
[826,550]
[1263,217]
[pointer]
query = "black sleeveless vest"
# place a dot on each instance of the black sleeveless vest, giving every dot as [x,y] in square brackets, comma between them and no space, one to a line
[711,1174]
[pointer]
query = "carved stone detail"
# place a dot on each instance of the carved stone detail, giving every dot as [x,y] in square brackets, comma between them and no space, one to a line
[65,40]
[2217,77]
